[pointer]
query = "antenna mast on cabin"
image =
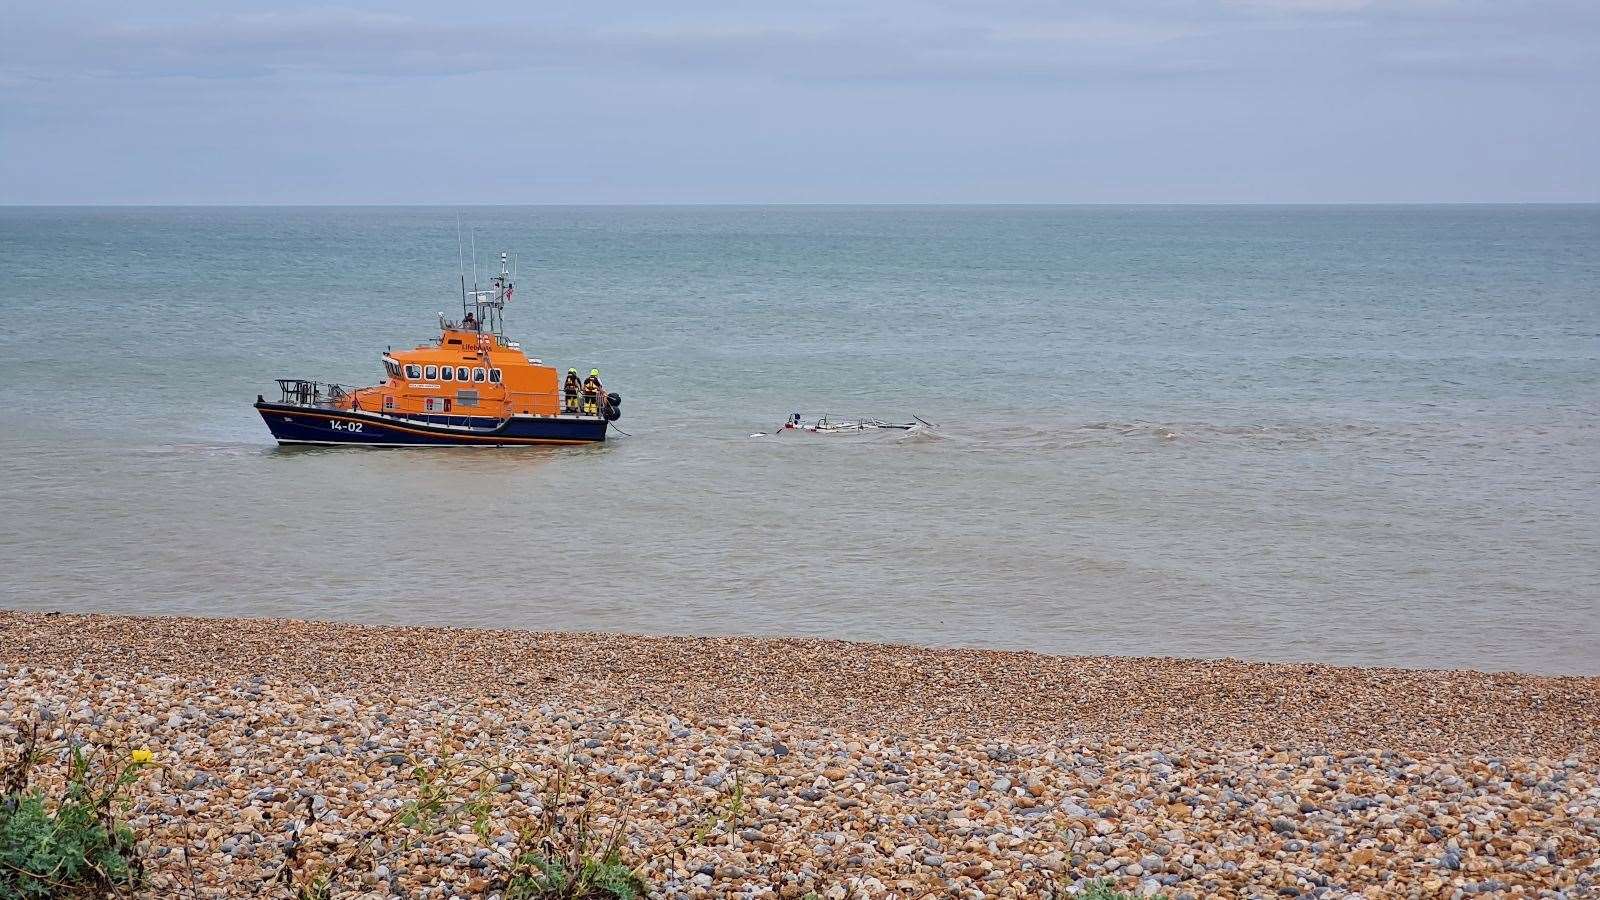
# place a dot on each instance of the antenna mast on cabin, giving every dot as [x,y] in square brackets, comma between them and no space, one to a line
[461,266]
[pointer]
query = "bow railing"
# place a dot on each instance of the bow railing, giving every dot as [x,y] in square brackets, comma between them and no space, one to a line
[302,392]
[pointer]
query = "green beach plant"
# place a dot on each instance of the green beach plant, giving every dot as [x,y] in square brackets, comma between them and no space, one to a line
[72,844]
[724,815]
[563,858]
[1103,889]
[558,855]
[447,793]
[549,875]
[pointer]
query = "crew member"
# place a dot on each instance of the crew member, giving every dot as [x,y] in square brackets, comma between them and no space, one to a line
[570,389]
[470,322]
[591,393]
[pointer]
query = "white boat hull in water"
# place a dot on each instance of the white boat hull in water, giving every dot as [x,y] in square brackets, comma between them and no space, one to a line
[825,425]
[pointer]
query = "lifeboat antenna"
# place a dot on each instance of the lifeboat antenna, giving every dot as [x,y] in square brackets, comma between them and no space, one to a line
[503,292]
[461,265]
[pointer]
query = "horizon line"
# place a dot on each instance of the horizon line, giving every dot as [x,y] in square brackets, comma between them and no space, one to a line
[748,204]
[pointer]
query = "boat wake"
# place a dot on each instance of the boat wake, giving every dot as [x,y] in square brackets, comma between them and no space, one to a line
[1144,436]
[1074,435]
[920,435]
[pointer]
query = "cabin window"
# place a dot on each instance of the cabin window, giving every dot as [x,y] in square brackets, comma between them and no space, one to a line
[463,374]
[494,376]
[431,372]
[413,372]
[477,374]
[456,341]
[445,373]
[466,398]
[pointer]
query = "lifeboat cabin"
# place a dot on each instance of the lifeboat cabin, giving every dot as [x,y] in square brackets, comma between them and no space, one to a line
[473,387]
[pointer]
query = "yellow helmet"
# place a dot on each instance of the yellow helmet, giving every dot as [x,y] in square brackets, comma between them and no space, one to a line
[594,373]
[572,371]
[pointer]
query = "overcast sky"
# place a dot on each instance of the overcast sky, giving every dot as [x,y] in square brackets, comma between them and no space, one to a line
[914,101]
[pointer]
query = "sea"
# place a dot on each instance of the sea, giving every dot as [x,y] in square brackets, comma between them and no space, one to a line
[1360,435]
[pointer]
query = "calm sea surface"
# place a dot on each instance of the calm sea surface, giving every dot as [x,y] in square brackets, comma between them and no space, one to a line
[1343,434]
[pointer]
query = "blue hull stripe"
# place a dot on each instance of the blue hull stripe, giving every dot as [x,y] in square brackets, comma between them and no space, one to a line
[301,425]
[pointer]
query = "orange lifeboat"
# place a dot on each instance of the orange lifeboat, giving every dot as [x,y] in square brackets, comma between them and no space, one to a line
[472,387]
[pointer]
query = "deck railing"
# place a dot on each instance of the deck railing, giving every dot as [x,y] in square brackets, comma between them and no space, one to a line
[300,392]
[327,395]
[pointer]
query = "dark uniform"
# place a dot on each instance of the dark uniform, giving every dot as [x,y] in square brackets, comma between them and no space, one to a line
[570,389]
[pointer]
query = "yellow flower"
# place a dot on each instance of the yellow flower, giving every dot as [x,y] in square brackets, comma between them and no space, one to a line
[142,756]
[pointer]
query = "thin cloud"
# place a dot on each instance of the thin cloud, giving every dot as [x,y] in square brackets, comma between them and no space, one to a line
[953,39]
[1164,40]
[743,99]
[1308,6]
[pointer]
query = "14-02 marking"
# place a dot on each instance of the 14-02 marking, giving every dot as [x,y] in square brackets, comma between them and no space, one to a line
[340,425]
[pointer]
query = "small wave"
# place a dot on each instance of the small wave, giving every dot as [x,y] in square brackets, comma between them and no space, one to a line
[1076,435]
[627,350]
[239,448]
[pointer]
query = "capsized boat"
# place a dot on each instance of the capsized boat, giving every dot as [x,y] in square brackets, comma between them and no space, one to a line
[825,425]
[471,388]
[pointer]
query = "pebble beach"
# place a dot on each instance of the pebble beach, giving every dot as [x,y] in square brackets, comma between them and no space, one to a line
[735,767]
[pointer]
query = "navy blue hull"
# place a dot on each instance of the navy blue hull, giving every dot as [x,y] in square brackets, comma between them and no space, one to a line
[314,425]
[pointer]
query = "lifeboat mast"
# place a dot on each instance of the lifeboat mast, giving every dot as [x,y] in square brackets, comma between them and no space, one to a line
[487,308]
